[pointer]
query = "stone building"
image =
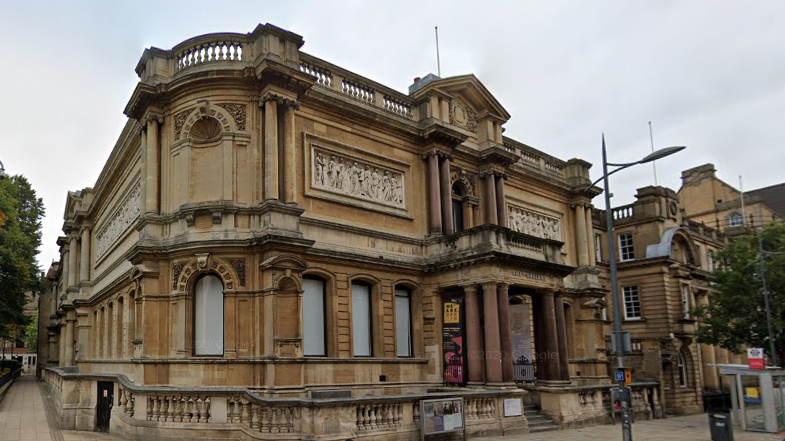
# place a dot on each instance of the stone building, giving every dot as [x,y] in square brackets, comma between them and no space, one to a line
[277,244]
[665,261]
[710,200]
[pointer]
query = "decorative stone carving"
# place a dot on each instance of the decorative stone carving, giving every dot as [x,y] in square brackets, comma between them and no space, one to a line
[177,268]
[128,211]
[202,260]
[358,179]
[533,223]
[202,263]
[179,120]
[239,268]
[238,113]
[467,179]
[205,110]
[462,116]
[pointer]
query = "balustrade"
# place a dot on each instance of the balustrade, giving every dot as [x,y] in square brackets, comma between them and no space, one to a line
[217,49]
[178,408]
[623,212]
[480,408]
[378,415]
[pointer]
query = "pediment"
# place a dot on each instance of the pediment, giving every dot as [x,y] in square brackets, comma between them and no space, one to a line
[469,98]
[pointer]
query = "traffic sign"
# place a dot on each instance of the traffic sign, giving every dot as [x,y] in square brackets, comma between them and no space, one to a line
[619,376]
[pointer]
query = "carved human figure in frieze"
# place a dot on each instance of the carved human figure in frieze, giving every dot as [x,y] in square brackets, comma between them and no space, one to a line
[332,170]
[355,175]
[320,169]
[375,184]
[397,195]
[343,176]
[386,193]
[365,180]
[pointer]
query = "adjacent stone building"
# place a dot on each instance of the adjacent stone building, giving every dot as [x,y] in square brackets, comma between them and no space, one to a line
[279,245]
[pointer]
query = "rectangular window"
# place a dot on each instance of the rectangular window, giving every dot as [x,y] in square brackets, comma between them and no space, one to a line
[403,323]
[632,302]
[685,300]
[598,248]
[711,260]
[313,317]
[361,319]
[626,249]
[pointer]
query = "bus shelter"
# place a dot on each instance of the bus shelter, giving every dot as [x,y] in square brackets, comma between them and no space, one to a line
[758,397]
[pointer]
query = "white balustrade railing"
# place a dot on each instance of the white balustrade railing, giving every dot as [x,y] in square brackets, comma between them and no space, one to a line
[209,49]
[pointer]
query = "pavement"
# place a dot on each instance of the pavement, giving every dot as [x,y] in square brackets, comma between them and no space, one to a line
[26,415]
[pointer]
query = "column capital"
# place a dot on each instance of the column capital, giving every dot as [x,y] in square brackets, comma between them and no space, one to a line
[504,285]
[153,116]
[493,285]
[436,152]
[278,98]
[85,228]
[492,170]
[472,288]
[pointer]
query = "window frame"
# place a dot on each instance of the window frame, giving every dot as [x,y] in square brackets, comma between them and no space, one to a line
[626,300]
[686,301]
[628,246]
[736,219]
[194,325]
[369,288]
[597,247]
[410,325]
[324,315]
[681,368]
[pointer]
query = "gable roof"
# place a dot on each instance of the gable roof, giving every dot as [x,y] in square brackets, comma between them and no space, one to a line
[773,197]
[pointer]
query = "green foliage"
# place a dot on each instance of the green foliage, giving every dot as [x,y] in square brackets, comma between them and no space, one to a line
[20,236]
[736,316]
[31,334]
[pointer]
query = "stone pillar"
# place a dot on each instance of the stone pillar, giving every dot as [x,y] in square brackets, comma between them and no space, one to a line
[561,333]
[69,338]
[289,155]
[72,260]
[52,345]
[152,172]
[143,180]
[505,335]
[66,269]
[434,194]
[493,362]
[551,349]
[446,196]
[580,227]
[474,346]
[270,150]
[61,344]
[590,236]
[84,268]
[491,215]
[501,205]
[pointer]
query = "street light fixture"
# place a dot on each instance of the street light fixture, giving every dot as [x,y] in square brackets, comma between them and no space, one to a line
[618,337]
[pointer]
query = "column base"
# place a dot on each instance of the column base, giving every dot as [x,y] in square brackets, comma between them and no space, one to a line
[554,383]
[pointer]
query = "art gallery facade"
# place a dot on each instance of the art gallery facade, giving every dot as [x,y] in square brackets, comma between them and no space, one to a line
[280,248]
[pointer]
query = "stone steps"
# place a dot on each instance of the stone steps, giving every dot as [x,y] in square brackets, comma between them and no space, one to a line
[537,421]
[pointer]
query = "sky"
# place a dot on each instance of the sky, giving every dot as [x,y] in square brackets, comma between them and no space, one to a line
[708,74]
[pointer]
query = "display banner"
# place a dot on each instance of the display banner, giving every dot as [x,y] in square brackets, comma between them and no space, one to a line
[453,353]
[520,330]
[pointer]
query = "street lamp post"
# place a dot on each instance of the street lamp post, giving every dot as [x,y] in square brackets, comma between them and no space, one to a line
[3,175]
[618,336]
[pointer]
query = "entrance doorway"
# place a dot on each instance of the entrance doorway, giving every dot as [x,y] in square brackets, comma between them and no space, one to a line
[103,409]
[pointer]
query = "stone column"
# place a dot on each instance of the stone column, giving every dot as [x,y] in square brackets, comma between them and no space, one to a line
[491,215]
[580,227]
[446,195]
[69,339]
[434,194]
[289,155]
[52,344]
[493,362]
[84,269]
[590,236]
[152,172]
[72,260]
[551,349]
[561,333]
[61,345]
[505,335]
[66,269]
[270,150]
[474,346]
[501,205]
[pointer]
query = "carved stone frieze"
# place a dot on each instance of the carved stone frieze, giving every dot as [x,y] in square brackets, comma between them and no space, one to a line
[205,110]
[358,179]
[533,223]
[128,211]
[179,120]
[239,268]
[238,113]
[463,116]
[177,268]
[203,264]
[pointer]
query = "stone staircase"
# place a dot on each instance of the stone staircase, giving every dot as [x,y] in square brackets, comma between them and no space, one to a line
[538,422]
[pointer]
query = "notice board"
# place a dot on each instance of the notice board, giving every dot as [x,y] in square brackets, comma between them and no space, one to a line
[444,415]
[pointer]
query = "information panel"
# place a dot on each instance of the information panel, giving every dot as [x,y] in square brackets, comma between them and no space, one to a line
[442,416]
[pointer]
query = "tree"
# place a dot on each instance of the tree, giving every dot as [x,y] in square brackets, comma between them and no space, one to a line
[20,237]
[736,315]
[31,334]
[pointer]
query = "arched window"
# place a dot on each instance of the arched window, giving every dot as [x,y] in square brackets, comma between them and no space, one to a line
[208,316]
[119,348]
[362,333]
[314,313]
[403,322]
[457,207]
[681,364]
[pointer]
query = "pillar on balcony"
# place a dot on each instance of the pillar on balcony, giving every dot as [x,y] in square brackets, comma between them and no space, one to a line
[289,154]
[84,265]
[493,359]
[446,195]
[491,214]
[474,346]
[152,164]
[590,236]
[561,332]
[505,335]
[434,194]
[580,230]
[72,247]
[501,206]
[271,149]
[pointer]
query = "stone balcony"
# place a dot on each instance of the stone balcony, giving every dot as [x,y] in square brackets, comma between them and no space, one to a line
[488,243]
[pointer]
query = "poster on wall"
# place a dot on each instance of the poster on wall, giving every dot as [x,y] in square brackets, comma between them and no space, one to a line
[520,330]
[452,342]
[442,416]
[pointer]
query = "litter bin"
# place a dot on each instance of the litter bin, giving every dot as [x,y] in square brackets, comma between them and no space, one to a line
[721,426]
